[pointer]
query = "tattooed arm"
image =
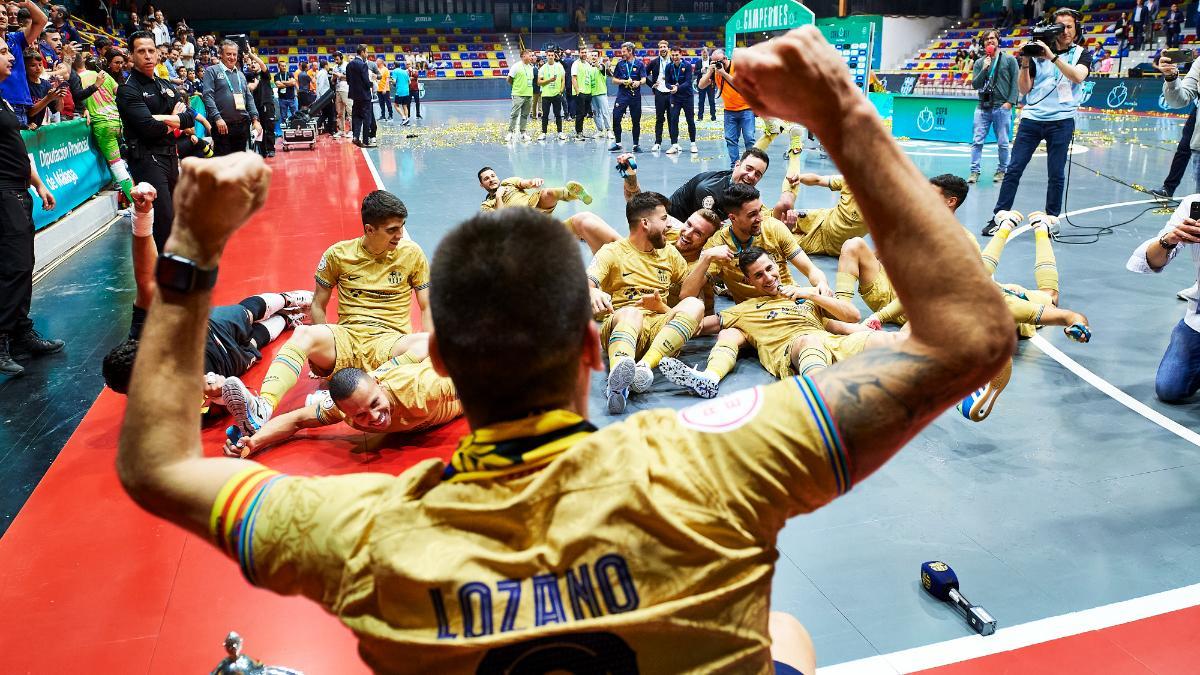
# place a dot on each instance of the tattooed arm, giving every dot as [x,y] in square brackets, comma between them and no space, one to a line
[961,332]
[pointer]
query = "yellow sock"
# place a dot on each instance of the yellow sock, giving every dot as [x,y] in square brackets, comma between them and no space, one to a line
[721,359]
[793,169]
[622,343]
[846,283]
[893,312]
[812,360]
[678,330]
[764,141]
[1045,269]
[282,374]
[991,254]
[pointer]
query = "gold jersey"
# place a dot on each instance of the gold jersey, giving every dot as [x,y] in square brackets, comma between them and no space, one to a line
[648,545]
[512,194]
[626,273]
[420,398]
[775,239]
[771,324]
[672,236]
[374,290]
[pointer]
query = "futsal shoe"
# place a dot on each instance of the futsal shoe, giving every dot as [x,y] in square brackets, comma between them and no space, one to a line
[1038,219]
[973,178]
[998,177]
[643,378]
[1162,193]
[620,378]
[796,144]
[575,190]
[297,301]
[525,138]
[541,137]
[636,148]
[562,136]
[978,404]
[250,411]
[697,381]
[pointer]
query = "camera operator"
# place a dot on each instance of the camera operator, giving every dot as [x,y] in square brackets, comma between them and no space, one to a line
[1178,93]
[1178,375]
[1051,79]
[739,118]
[995,78]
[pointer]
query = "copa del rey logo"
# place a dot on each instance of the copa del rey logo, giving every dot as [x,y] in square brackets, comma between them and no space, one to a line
[723,414]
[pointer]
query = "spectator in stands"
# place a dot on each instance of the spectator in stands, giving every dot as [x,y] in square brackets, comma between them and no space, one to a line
[50,46]
[679,79]
[1029,12]
[187,49]
[60,19]
[401,84]
[1152,8]
[229,103]
[262,85]
[995,78]
[415,67]
[383,90]
[580,18]
[162,34]
[1140,16]
[739,118]
[1006,17]
[1107,62]
[17,175]
[1121,30]
[708,92]
[629,75]
[551,78]
[287,86]
[133,25]
[362,93]
[520,78]
[1173,24]
[47,95]
[151,110]
[656,77]
[1052,84]
[343,105]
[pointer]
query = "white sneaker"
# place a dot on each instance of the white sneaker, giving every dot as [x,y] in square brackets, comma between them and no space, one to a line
[698,382]
[620,377]
[695,149]
[541,137]
[562,136]
[656,147]
[508,137]
[525,138]
[643,378]
[1189,294]
[250,411]
[610,135]
[673,149]
[297,301]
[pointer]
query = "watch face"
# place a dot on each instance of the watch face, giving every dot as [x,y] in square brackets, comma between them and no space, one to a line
[176,274]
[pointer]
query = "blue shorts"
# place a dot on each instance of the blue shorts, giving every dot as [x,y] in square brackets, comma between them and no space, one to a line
[782,668]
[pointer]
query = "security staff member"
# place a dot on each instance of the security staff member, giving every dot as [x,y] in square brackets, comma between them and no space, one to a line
[629,75]
[152,112]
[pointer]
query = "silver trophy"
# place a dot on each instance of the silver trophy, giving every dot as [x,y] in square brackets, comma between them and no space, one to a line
[237,663]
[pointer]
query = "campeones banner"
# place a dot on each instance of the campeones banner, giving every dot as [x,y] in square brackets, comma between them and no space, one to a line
[69,165]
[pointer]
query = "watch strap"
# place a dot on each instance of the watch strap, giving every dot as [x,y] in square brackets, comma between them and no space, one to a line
[183,275]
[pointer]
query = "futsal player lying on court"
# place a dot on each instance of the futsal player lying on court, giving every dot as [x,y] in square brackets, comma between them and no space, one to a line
[236,333]
[402,395]
[529,192]
[376,276]
[648,545]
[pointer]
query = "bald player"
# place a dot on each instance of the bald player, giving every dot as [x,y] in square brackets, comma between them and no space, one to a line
[403,395]
[646,545]
[529,192]
[376,277]
[796,331]
[628,280]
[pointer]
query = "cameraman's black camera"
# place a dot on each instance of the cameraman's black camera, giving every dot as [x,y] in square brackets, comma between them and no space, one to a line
[718,65]
[1045,33]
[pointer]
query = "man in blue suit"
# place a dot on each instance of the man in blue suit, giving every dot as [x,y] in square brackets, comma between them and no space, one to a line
[362,118]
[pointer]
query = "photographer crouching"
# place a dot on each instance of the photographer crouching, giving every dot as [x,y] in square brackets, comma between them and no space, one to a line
[995,78]
[1051,79]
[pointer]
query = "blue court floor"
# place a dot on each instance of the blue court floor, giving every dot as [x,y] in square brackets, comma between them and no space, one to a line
[1064,499]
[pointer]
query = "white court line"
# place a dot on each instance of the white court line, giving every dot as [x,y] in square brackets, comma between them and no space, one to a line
[1022,635]
[374,171]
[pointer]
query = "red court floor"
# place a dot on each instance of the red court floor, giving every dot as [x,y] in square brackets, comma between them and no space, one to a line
[90,584]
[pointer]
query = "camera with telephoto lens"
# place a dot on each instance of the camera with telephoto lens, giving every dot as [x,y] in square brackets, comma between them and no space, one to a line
[718,65]
[1046,34]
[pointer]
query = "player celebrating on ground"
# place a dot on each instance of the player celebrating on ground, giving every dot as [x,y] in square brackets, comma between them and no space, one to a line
[748,227]
[820,231]
[526,192]
[375,276]
[796,331]
[403,395]
[628,280]
[647,544]
[704,190]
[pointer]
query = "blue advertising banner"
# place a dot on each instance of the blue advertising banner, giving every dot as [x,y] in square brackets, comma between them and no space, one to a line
[69,164]
[441,22]
[936,118]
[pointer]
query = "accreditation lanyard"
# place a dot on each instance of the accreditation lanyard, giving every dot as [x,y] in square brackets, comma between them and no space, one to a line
[239,97]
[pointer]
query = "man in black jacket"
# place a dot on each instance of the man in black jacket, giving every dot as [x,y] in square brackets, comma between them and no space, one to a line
[152,112]
[358,76]
[656,77]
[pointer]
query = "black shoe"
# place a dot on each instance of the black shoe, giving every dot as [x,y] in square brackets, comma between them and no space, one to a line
[34,344]
[7,365]
[636,148]
[1162,193]
[990,229]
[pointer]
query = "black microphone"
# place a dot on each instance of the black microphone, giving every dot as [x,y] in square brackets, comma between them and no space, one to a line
[942,583]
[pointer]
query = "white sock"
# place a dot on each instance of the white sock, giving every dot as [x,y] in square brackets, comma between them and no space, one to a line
[275,302]
[274,325]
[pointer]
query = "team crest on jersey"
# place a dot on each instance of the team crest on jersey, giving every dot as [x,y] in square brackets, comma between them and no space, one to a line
[322,265]
[723,414]
[708,201]
[394,278]
[663,276]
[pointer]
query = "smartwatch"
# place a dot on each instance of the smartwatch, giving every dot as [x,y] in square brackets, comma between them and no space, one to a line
[181,275]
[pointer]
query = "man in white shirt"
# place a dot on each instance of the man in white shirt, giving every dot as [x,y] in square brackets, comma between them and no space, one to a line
[1178,375]
[344,107]
[656,74]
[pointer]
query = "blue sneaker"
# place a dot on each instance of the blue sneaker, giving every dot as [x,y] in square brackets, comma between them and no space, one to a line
[978,404]
[615,147]
[250,411]
[620,378]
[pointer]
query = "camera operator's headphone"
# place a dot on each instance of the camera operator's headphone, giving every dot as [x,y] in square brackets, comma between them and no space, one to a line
[1078,22]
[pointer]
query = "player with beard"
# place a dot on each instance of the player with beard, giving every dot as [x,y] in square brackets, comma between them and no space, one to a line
[704,190]
[529,192]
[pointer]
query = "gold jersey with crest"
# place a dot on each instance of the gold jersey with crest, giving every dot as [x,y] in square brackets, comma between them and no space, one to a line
[824,230]
[420,398]
[626,273]
[771,324]
[672,237]
[512,194]
[775,239]
[647,546]
[374,290]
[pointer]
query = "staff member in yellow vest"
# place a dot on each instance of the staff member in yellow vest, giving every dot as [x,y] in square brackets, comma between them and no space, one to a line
[552,78]
[520,77]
